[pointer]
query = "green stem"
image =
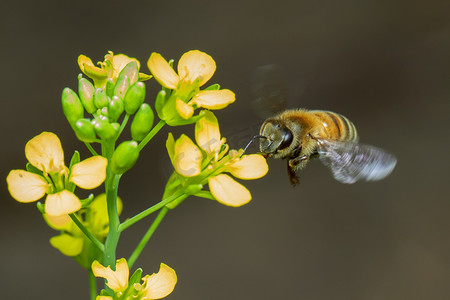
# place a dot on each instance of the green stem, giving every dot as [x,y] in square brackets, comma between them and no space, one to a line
[134,256]
[151,134]
[122,126]
[91,149]
[88,234]
[111,186]
[92,285]
[150,210]
[109,258]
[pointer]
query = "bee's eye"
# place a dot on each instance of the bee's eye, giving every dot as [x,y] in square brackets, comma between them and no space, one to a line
[286,134]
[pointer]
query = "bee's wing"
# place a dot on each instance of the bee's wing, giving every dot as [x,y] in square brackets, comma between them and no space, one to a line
[269,91]
[350,162]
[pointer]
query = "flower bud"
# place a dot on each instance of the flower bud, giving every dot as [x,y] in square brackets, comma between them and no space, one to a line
[100,98]
[124,157]
[86,92]
[109,87]
[159,103]
[116,126]
[131,70]
[122,85]
[72,107]
[84,130]
[115,108]
[104,129]
[142,122]
[134,98]
[104,112]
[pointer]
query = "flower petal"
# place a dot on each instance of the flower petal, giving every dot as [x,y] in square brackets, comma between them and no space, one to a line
[61,222]
[170,146]
[185,110]
[89,173]
[119,62]
[162,71]
[161,284]
[196,65]
[62,203]
[216,99]
[89,69]
[251,166]
[188,157]
[227,191]
[97,216]
[45,152]
[118,279]
[67,244]
[25,186]
[84,61]
[207,134]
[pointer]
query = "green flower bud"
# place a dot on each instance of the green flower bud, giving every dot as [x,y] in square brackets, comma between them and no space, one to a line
[72,107]
[86,92]
[109,87]
[104,129]
[122,85]
[104,112]
[84,130]
[100,98]
[116,126]
[131,70]
[115,108]
[142,122]
[159,103]
[124,157]
[134,97]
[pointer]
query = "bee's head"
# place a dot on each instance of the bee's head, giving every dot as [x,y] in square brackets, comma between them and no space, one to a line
[276,137]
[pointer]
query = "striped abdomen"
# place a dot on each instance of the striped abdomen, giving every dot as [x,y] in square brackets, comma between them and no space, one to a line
[336,126]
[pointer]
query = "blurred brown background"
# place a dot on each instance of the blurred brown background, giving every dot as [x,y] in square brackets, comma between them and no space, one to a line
[384,64]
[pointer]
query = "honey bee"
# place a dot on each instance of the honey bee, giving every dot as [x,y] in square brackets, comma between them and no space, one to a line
[299,135]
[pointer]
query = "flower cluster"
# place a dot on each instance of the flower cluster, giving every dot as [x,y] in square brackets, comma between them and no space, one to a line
[47,174]
[89,229]
[182,94]
[155,286]
[206,163]
[110,68]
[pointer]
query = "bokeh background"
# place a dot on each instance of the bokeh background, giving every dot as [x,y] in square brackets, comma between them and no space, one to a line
[384,64]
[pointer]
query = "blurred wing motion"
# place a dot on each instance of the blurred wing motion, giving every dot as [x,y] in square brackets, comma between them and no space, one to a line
[350,162]
[269,91]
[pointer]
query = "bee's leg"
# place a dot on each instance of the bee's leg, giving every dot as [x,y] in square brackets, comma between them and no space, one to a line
[293,178]
[298,162]
[314,155]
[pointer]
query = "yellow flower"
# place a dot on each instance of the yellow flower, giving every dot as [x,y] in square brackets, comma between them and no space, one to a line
[188,161]
[155,286]
[207,135]
[195,68]
[109,68]
[159,285]
[116,280]
[229,192]
[186,157]
[45,153]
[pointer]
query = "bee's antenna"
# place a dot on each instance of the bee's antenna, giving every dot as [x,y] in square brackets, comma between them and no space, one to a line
[251,141]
